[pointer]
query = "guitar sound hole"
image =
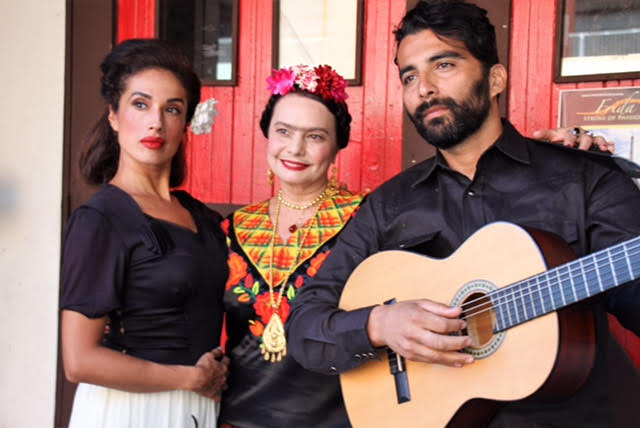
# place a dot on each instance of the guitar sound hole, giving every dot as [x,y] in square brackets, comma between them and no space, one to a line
[480,317]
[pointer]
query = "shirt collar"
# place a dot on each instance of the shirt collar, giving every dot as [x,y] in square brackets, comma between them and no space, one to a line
[510,143]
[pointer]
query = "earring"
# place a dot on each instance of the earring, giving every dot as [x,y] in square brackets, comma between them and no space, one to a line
[270,177]
[333,180]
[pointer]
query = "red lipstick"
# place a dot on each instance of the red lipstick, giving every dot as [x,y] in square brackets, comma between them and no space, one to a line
[153,143]
[294,166]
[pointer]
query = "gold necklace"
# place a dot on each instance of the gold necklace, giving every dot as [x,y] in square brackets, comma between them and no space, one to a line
[274,341]
[301,207]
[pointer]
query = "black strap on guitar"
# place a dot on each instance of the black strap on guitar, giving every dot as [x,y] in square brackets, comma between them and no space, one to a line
[398,369]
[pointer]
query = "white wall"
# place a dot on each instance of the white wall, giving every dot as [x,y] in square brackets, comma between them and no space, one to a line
[32,48]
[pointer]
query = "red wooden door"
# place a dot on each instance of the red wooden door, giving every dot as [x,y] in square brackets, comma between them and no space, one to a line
[228,166]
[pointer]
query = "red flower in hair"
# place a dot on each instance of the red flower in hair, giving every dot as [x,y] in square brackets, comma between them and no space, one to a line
[330,84]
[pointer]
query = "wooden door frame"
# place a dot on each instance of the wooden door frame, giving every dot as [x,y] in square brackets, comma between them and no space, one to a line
[90,32]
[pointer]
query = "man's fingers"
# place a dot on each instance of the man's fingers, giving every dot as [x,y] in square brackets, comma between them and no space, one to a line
[603,144]
[584,141]
[542,134]
[439,308]
[566,136]
[437,349]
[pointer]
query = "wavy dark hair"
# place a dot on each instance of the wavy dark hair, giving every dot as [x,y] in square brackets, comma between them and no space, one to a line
[457,20]
[340,112]
[101,151]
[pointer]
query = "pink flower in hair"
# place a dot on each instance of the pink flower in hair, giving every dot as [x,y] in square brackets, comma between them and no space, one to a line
[306,78]
[281,81]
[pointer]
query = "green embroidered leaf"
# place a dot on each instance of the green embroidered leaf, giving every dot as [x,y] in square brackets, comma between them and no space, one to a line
[256,288]
[291,292]
[239,290]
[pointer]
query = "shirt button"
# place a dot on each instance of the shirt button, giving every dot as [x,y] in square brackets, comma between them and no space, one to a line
[372,355]
[471,192]
[357,357]
[333,369]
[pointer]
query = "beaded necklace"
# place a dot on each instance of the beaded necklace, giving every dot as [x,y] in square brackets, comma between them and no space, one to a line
[304,206]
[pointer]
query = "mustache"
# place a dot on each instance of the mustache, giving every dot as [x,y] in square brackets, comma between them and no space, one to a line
[426,105]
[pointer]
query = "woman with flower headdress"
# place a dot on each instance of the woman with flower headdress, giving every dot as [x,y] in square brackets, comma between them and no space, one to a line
[147,262]
[277,245]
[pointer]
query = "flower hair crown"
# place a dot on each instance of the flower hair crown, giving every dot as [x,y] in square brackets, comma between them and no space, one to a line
[321,80]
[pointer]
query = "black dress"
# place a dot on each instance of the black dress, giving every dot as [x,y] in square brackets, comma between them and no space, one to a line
[160,284]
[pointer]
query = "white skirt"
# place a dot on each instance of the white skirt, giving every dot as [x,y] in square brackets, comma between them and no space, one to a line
[99,407]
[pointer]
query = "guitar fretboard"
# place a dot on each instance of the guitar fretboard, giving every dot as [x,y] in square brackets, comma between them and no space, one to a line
[566,284]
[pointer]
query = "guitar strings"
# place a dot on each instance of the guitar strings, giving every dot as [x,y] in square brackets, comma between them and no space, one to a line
[513,292]
[506,299]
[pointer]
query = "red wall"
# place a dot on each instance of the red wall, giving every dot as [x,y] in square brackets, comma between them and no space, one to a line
[229,165]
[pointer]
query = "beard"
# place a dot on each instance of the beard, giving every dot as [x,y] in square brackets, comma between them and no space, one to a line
[468,117]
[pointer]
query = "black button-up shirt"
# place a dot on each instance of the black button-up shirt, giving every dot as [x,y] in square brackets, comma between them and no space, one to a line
[431,209]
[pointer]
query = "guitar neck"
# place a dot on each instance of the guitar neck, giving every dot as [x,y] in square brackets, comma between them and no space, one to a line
[566,284]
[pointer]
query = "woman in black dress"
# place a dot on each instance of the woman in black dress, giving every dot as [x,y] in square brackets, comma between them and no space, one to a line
[147,262]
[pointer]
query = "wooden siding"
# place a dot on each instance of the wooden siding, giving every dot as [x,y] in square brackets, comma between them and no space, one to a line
[533,96]
[229,165]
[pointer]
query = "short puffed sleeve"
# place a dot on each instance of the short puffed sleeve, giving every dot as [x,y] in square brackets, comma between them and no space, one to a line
[93,264]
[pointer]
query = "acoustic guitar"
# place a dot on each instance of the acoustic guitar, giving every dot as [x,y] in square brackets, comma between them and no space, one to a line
[530,336]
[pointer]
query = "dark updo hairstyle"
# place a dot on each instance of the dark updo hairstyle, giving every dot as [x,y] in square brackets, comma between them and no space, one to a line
[457,20]
[101,151]
[339,110]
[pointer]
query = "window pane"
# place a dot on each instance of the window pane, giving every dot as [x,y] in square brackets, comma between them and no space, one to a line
[318,32]
[204,30]
[600,37]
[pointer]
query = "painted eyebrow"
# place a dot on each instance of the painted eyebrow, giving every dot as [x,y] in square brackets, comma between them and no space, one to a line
[147,96]
[296,128]
[434,58]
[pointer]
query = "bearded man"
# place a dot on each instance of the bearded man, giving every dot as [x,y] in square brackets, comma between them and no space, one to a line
[484,171]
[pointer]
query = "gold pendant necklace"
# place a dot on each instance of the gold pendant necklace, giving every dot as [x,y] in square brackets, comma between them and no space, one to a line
[274,341]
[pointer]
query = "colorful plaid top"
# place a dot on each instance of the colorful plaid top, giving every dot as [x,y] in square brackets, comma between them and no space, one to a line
[257,387]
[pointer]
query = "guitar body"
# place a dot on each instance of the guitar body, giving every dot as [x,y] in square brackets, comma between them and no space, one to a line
[550,355]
